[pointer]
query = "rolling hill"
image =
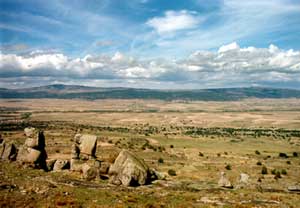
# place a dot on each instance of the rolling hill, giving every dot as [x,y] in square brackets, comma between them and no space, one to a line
[83,92]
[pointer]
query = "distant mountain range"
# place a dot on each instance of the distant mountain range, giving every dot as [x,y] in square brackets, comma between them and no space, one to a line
[82,92]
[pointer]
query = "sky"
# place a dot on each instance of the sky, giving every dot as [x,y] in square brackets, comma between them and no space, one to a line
[161,44]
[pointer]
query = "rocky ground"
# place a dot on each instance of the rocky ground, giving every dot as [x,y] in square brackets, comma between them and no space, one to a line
[70,164]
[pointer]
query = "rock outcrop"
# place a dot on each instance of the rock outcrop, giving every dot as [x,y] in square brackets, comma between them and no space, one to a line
[33,152]
[129,170]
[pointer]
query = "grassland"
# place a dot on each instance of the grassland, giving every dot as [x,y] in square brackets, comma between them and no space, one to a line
[196,139]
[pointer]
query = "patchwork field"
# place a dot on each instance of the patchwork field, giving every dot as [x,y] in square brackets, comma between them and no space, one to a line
[189,142]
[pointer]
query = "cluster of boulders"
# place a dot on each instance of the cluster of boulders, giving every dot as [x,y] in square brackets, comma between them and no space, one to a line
[32,153]
[242,182]
[127,169]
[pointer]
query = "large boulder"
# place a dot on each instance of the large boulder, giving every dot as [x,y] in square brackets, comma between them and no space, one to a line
[29,155]
[88,144]
[129,170]
[9,151]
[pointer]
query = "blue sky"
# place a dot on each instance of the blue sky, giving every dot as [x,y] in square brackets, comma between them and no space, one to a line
[150,43]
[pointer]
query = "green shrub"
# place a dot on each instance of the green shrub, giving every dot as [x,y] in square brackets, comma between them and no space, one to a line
[264,170]
[257,152]
[258,163]
[160,160]
[228,167]
[277,175]
[171,146]
[172,172]
[288,162]
[295,154]
[283,172]
[201,154]
[281,154]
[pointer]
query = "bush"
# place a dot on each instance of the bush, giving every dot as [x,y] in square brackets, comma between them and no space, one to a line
[264,170]
[201,154]
[257,152]
[172,172]
[295,154]
[277,175]
[288,162]
[160,160]
[228,167]
[281,154]
[26,115]
[171,146]
[283,172]
[258,163]
[273,172]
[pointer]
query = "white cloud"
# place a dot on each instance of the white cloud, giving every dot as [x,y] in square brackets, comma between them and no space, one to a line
[174,20]
[231,65]
[229,47]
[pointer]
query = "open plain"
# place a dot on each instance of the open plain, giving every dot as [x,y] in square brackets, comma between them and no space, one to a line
[191,142]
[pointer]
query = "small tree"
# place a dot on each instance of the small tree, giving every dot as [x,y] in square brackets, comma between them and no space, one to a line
[264,170]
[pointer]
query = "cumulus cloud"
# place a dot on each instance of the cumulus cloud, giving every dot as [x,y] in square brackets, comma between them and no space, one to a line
[174,20]
[231,65]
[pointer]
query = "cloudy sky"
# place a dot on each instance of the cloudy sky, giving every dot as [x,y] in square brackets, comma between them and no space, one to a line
[178,44]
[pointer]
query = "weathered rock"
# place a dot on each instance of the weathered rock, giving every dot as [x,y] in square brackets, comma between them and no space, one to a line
[9,152]
[36,141]
[2,147]
[76,165]
[50,164]
[75,152]
[88,144]
[224,182]
[244,178]
[61,165]
[77,138]
[29,155]
[294,188]
[155,175]
[129,170]
[30,131]
[89,172]
[104,168]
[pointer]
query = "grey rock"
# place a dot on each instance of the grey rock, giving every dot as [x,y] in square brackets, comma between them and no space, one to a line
[50,164]
[104,168]
[244,178]
[88,144]
[29,155]
[61,165]
[89,172]
[2,147]
[29,131]
[224,182]
[294,188]
[129,170]
[76,165]
[9,152]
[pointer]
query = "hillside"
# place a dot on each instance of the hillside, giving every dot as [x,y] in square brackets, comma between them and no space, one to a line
[92,93]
